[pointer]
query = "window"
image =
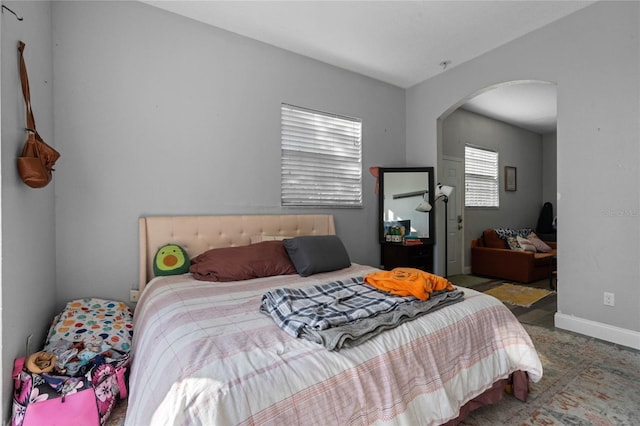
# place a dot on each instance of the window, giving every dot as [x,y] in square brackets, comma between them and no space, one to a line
[481,177]
[321,159]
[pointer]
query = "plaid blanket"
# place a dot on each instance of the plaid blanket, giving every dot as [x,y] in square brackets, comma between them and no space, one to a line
[327,313]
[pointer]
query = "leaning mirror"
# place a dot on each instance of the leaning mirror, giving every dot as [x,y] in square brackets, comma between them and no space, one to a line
[406,197]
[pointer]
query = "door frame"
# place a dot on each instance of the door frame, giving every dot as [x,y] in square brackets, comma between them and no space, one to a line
[460,194]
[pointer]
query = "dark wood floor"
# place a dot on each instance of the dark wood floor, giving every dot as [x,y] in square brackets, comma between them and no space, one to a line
[540,313]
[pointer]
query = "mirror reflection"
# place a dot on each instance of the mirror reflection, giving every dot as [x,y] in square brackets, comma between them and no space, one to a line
[406,196]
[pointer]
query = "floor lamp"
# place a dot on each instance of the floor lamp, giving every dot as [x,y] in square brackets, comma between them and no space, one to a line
[443,192]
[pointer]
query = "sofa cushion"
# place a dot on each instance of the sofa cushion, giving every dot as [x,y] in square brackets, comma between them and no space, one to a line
[491,239]
[543,258]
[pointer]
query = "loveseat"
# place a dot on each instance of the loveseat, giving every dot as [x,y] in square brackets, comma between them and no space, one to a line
[492,256]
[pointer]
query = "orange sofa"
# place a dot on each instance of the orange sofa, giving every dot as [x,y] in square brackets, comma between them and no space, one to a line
[492,257]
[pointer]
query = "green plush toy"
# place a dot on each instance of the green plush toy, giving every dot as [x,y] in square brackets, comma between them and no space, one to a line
[170,259]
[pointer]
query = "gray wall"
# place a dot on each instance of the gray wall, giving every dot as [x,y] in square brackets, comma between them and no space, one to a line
[154,114]
[28,227]
[516,147]
[159,114]
[594,57]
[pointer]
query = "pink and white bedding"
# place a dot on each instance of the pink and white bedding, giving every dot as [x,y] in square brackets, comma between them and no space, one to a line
[204,354]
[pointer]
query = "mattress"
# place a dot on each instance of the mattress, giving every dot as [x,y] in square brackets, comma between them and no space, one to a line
[204,354]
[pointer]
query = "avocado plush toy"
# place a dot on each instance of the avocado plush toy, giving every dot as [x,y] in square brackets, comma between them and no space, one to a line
[170,259]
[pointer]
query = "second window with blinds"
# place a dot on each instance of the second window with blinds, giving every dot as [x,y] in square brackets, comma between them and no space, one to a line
[321,159]
[481,177]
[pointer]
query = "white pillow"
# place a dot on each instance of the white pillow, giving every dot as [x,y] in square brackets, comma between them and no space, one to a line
[526,244]
[513,244]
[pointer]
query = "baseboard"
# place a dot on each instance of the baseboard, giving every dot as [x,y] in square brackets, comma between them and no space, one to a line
[606,332]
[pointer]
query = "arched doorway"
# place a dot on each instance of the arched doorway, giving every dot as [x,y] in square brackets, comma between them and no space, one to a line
[497,117]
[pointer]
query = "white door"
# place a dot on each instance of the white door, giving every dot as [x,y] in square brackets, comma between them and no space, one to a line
[453,175]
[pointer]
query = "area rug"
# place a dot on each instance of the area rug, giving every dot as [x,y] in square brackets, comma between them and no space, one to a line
[518,295]
[466,280]
[585,382]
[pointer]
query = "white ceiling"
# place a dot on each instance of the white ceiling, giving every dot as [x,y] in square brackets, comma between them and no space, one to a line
[529,105]
[399,42]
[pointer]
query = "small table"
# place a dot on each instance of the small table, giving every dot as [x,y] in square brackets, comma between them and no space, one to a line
[420,256]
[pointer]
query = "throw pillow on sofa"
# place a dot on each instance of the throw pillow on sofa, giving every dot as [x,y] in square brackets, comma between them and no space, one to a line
[505,233]
[513,243]
[526,244]
[540,245]
[520,244]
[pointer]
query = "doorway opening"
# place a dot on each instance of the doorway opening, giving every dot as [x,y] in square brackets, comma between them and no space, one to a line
[518,119]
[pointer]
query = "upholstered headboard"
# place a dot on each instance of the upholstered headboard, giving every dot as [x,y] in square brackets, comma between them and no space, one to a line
[198,234]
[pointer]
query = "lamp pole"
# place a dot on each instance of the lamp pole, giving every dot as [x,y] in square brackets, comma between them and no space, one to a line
[446,237]
[443,192]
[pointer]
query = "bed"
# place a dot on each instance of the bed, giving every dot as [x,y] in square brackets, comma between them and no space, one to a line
[204,354]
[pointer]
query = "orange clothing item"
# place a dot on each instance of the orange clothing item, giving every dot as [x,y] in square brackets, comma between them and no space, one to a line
[408,282]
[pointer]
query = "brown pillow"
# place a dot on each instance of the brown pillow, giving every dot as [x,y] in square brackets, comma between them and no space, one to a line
[263,259]
[492,240]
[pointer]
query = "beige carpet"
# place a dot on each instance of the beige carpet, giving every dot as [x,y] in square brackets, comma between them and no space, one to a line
[519,295]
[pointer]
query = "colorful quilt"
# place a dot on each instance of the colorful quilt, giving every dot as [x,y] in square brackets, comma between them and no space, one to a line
[84,319]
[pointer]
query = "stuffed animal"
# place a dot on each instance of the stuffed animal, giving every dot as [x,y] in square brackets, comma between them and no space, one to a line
[170,259]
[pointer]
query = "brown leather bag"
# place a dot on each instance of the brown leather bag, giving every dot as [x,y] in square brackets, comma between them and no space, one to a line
[35,165]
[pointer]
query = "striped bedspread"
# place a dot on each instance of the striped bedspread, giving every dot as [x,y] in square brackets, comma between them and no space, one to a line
[204,354]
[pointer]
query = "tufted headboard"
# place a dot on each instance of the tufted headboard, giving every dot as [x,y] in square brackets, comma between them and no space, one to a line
[198,234]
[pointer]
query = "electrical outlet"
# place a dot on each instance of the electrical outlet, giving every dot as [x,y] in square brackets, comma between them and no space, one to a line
[609,299]
[134,295]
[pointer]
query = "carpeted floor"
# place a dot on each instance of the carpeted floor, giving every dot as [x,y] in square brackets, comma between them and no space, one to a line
[585,382]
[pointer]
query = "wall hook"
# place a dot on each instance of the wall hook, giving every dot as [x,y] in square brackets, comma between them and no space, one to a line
[19,18]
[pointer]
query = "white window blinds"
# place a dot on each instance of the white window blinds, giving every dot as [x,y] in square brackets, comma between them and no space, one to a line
[321,159]
[481,177]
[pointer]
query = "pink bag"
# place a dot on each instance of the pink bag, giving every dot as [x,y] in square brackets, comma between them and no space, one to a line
[47,399]
[77,409]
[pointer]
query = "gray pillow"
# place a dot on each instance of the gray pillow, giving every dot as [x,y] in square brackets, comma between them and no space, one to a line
[318,253]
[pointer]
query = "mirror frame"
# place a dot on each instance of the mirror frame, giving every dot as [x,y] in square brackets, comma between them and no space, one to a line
[381,173]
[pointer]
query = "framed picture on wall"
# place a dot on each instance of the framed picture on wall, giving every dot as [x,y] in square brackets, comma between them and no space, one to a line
[510,179]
